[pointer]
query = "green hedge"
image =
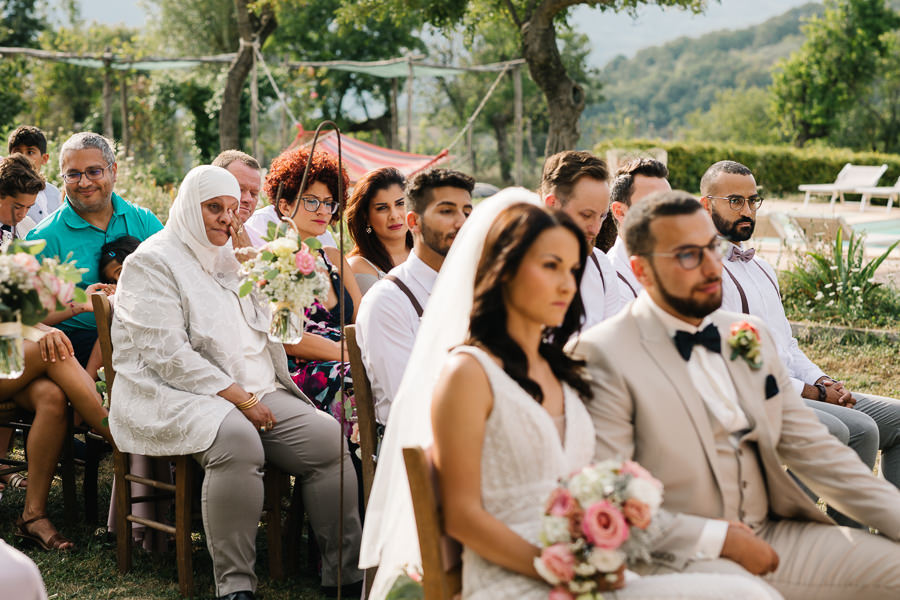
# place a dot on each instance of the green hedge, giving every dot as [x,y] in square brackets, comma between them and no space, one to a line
[778,169]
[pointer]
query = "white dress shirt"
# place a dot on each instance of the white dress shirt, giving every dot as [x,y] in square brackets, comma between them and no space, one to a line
[760,285]
[599,290]
[629,287]
[46,201]
[386,327]
[22,229]
[710,376]
[259,224]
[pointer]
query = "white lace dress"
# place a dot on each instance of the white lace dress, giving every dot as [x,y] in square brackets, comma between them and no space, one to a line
[522,460]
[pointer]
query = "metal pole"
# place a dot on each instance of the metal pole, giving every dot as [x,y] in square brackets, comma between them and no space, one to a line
[107,94]
[254,108]
[395,114]
[409,106]
[517,90]
[123,98]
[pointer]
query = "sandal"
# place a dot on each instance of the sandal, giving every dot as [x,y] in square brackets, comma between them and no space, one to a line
[56,541]
[14,481]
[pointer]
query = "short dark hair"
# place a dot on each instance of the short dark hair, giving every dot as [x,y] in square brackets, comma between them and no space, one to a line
[227,157]
[27,135]
[636,228]
[622,187]
[723,166]
[419,186]
[563,170]
[17,176]
[116,250]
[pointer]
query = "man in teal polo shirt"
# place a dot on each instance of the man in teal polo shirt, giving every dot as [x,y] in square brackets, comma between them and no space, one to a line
[91,215]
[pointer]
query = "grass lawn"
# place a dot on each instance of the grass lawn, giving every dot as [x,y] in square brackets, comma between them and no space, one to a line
[90,571]
[863,367]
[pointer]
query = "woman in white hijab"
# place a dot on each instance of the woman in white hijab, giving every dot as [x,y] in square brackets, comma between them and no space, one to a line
[196,374]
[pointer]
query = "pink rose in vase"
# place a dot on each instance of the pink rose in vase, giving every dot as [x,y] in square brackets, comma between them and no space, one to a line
[604,526]
[305,262]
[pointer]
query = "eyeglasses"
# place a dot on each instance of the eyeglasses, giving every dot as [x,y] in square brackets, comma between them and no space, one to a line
[312,204]
[691,257]
[737,202]
[93,174]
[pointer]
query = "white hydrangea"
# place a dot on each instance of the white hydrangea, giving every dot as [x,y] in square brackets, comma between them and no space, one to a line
[554,530]
[605,561]
[646,492]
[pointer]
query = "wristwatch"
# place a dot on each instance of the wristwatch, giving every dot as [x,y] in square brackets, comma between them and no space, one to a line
[823,391]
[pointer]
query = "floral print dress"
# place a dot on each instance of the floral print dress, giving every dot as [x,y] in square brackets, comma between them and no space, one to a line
[320,380]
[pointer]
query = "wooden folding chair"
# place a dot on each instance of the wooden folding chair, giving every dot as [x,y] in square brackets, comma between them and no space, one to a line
[365,410]
[441,567]
[275,482]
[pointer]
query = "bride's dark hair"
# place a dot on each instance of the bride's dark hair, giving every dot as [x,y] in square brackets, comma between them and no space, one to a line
[510,237]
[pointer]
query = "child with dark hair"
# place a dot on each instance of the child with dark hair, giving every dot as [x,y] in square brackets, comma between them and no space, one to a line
[112,256]
[32,142]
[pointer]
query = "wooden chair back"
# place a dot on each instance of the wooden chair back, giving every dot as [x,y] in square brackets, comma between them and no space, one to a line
[441,564]
[103,316]
[365,411]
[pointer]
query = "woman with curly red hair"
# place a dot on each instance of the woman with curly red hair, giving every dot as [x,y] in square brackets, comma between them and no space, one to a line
[315,361]
[376,220]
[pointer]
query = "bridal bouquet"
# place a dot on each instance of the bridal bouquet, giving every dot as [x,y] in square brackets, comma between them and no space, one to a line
[594,521]
[290,276]
[29,291]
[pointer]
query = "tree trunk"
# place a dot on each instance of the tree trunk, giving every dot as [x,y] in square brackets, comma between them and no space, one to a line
[250,26]
[499,122]
[565,98]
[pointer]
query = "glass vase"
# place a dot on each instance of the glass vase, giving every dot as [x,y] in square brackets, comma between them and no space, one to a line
[12,350]
[287,325]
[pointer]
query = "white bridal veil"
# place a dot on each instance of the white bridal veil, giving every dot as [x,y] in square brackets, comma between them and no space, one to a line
[389,536]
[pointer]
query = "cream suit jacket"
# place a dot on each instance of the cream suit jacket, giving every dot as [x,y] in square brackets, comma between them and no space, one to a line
[646,408]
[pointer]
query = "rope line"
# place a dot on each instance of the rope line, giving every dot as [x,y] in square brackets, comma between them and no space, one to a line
[475,114]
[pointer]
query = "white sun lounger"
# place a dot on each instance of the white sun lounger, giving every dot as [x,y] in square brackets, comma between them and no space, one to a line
[848,180]
[891,193]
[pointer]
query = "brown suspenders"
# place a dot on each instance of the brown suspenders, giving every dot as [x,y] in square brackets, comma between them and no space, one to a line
[396,281]
[599,270]
[625,281]
[745,307]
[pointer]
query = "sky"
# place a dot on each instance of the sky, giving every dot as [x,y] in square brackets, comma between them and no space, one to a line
[611,34]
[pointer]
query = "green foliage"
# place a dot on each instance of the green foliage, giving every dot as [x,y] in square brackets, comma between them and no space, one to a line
[738,116]
[136,183]
[839,285]
[406,588]
[778,169]
[654,92]
[822,81]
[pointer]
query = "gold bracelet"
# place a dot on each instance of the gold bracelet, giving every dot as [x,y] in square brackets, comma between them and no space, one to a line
[248,403]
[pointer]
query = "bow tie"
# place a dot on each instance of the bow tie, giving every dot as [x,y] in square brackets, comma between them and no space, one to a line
[5,227]
[736,254]
[708,337]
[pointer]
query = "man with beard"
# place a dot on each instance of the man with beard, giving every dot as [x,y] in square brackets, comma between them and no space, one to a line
[750,285]
[633,182]
[576,183]
[438,202]
[716,426]
[91,215]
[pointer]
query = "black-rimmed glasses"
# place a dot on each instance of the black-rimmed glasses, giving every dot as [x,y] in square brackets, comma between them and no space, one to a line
[92,173]
[312,204]
[737,202]
[691,257]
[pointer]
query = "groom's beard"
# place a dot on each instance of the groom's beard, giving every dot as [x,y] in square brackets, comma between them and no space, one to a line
[695,309]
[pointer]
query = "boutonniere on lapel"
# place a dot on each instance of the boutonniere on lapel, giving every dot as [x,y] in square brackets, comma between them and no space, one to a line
[743,339]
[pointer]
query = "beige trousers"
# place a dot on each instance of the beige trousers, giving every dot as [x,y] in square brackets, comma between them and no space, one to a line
[821,562]
[306,443]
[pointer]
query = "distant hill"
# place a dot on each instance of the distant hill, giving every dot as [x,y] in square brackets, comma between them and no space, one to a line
[661,85]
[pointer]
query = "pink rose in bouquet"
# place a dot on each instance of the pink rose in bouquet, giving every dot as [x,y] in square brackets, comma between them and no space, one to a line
[636,513]
[305,262]
[27,262]
[561,593]
[629,467]
[604,526]
[556,563]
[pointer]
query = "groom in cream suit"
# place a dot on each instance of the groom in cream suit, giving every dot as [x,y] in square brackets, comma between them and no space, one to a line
[716,427]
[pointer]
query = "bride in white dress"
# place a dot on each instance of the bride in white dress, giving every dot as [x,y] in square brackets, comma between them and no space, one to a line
[506,409]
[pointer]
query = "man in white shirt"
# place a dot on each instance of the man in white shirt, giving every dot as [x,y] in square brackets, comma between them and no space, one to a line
[19,187]
[31,142]
[716,426]
[750,285]
[245,169]
[633,182]
[577,184]
[438,202]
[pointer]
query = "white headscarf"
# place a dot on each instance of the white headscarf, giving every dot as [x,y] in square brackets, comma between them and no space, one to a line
[186,217]
[389,537]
